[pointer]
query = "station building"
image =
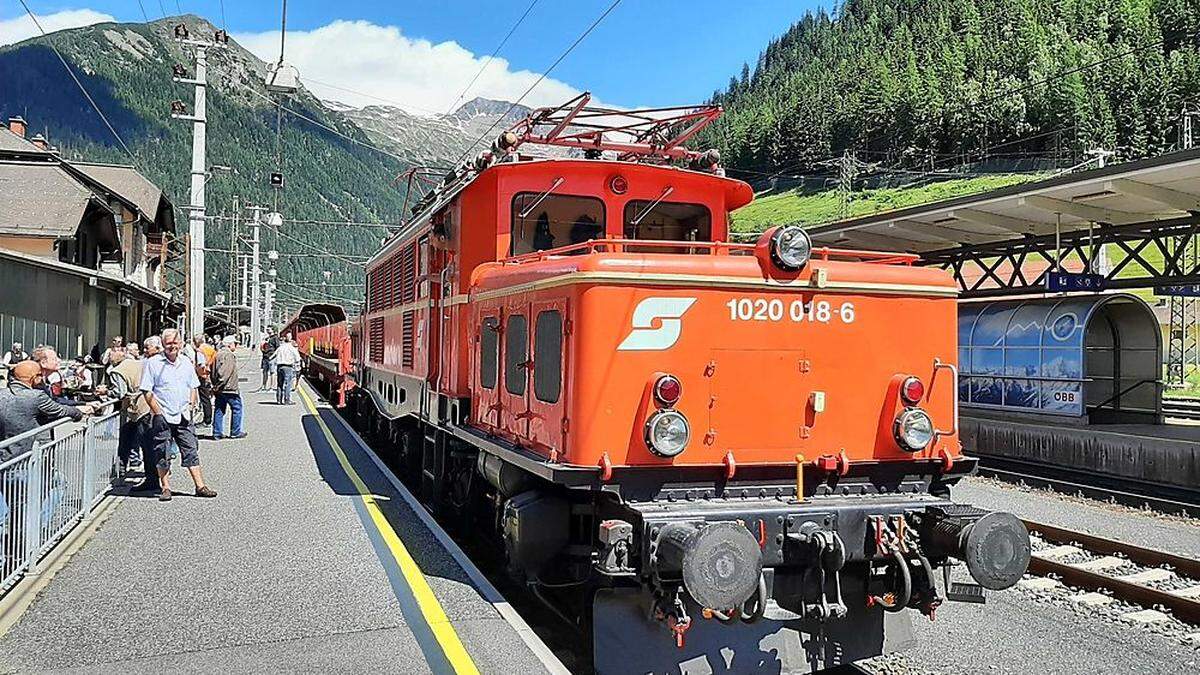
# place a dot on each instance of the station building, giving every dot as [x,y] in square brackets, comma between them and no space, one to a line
[83,249]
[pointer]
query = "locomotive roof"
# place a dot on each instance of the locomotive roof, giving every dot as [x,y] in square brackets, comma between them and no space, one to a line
[737,193]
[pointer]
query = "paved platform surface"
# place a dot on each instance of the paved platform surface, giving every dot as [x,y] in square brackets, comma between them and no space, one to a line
[288,569]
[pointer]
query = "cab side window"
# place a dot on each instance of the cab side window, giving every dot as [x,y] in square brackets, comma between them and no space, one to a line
[516,354]
[489,352]
[547,356]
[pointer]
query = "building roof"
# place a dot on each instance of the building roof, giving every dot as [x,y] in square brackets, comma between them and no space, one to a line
[127,183]
[1161,188]
[11,143]
[41,200]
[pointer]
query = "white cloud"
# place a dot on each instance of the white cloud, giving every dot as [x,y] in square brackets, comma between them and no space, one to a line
[22,27]
[414,74]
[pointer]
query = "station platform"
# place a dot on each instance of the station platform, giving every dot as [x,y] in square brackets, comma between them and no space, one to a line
[312,557]
[1160,459]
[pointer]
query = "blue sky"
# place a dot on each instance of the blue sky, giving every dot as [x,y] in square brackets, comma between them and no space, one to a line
[646,52]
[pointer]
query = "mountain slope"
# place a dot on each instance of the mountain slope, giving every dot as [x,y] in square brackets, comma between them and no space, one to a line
[435,140]
[932,83]
[127,70]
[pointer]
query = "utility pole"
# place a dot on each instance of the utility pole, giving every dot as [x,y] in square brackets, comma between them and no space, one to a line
[255,278]
[196,214]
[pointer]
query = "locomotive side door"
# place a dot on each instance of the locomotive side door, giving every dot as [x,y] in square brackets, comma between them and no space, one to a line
[515,366]
[546,394]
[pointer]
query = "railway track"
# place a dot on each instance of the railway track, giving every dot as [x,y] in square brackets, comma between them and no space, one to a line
[1150,578]
[1181,408]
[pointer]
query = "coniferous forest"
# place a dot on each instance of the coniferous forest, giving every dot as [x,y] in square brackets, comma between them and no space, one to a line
[933,84]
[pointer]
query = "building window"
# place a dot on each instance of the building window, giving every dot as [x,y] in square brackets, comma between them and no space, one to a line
[667,221]
[541,221]
[489,352]
[547,356]
[516,353]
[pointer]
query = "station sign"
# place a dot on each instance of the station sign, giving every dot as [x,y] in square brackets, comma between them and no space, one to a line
[1190,291]
[1073,281]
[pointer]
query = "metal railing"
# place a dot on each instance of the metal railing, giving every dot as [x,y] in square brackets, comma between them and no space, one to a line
[47,490]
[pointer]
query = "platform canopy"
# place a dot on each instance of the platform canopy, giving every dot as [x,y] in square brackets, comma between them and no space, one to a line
[1003,241]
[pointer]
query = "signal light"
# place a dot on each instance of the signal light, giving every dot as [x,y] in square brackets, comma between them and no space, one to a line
[912,390]
[668,390]
[618,185]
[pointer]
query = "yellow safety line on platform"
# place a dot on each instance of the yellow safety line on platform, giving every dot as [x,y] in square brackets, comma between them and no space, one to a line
[435,616]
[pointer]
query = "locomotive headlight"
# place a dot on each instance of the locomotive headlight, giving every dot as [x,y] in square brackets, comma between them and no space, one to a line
[791,247]
[667,433]
[914,429]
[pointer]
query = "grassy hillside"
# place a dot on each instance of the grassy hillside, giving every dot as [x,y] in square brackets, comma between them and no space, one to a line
[793,206]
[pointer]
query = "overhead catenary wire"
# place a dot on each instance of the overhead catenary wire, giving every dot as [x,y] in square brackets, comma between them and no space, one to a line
[325,126]
[543,76]
[142,6]
[492,56]
[79,84]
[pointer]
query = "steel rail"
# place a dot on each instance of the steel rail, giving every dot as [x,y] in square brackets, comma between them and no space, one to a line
[1183,608]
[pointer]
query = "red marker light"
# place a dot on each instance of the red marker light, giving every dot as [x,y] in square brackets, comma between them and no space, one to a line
[912,390]
[618,185]
[668,390]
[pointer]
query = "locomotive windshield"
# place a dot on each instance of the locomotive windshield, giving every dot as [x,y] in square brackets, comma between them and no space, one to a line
[541,221]
[667,221]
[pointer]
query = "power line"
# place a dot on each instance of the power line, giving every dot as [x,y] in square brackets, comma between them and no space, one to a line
[319,250]
[145,17]
[325,126]
[491,56]
[78,83]
[541,77]
[162,9]
[304,221]
[382,99]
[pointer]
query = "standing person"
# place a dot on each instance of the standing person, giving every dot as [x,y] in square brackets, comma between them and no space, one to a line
[24,406]
[200,357]
[118,342]
[124,381]
[169,382]
[268,348]
[225,386]
[287,358]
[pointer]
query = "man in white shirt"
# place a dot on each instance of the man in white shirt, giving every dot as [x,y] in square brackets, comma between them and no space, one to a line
[169,382]
[287,359]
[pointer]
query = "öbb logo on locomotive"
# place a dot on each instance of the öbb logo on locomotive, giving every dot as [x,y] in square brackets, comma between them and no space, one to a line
[668,312]
[783,494]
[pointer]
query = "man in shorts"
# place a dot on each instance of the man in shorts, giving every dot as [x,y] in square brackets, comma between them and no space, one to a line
[170,385]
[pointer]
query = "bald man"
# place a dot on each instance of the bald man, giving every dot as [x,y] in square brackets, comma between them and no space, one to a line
[24,406]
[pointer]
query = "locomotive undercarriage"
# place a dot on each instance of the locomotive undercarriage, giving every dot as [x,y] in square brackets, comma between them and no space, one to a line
[645,560]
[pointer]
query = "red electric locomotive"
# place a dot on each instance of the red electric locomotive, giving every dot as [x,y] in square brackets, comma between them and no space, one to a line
[693,448]
[322,335]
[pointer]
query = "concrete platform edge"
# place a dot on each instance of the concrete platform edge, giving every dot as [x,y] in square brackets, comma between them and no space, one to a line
[485,587]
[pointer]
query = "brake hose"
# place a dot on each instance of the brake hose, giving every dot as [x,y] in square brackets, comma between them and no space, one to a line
[901,601]
[760,606]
